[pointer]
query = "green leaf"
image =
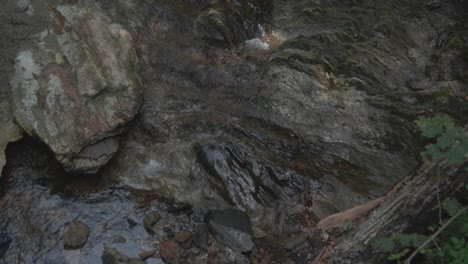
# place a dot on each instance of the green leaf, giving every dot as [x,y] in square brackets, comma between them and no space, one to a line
[384,244]
[433,152]
[451,206]
[456,155]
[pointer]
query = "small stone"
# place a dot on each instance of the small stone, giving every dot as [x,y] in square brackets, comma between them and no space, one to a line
[119,239]
[259,233]
[131,223]
[170,233]
[112,256]
[75,235]
[201,238]
[183,236]
[169,251]
[147,254]
[187,244]
[195,251]
[256,44]
[150,220]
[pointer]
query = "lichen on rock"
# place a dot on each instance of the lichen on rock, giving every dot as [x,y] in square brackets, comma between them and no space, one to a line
[77,87]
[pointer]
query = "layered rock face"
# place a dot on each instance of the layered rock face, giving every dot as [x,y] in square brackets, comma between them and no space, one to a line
[77,87]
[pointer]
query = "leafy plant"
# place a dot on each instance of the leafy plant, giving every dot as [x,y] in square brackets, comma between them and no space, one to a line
[448,242]
[448,137]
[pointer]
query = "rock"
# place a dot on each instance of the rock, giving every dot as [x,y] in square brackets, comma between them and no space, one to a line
[119,239]
[112,256]
[232,228]
[256,44]
[201,238]
[147,254]
[10,131]
[259,233]
[77,88]
[169,251]
[195,251]
[433,4]
[183,236]
[150,220]
[75,235]
[231,22]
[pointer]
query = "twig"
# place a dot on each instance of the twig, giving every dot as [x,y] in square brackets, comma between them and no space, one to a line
[431,238]
[438,197]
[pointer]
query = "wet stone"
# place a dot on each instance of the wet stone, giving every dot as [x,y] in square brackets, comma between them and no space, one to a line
[75,235]
[183,236]
[169,251]
[150,221]
[147,254]
[201,238]
[112,256]
[119,239]
[232,228]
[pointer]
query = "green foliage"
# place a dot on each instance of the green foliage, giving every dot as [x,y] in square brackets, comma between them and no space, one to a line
[448,138]
[451,244]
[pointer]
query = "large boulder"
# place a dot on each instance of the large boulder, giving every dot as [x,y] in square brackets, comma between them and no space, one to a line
[78,87]
[10,131]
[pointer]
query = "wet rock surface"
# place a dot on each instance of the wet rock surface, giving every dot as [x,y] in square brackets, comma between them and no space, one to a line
[319,123]
[75,235]
[77,87]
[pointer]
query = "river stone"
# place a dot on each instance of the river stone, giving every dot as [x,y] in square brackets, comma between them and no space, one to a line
[10,131]
[169,251]
[75,235]
[150,220]
[112,256]
[201,238]
[232,228]
[77,87]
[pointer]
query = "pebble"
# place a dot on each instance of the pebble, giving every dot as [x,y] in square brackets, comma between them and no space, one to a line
[150,220]
[169,251]
[75,235]
[147,254]
[183,236]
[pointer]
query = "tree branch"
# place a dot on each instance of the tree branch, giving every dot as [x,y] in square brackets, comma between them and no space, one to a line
[431,238]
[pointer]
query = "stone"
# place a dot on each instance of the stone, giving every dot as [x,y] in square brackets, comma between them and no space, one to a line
[232,228]
[75,235]
[112,256]
[259,233]
[150,220]
[119,239]
[169,251]
[77,87]
[201,238]
[256,45]
[10,131]
[183,236]
[147,254]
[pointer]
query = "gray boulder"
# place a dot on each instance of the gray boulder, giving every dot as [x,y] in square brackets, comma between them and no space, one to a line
[78,87]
